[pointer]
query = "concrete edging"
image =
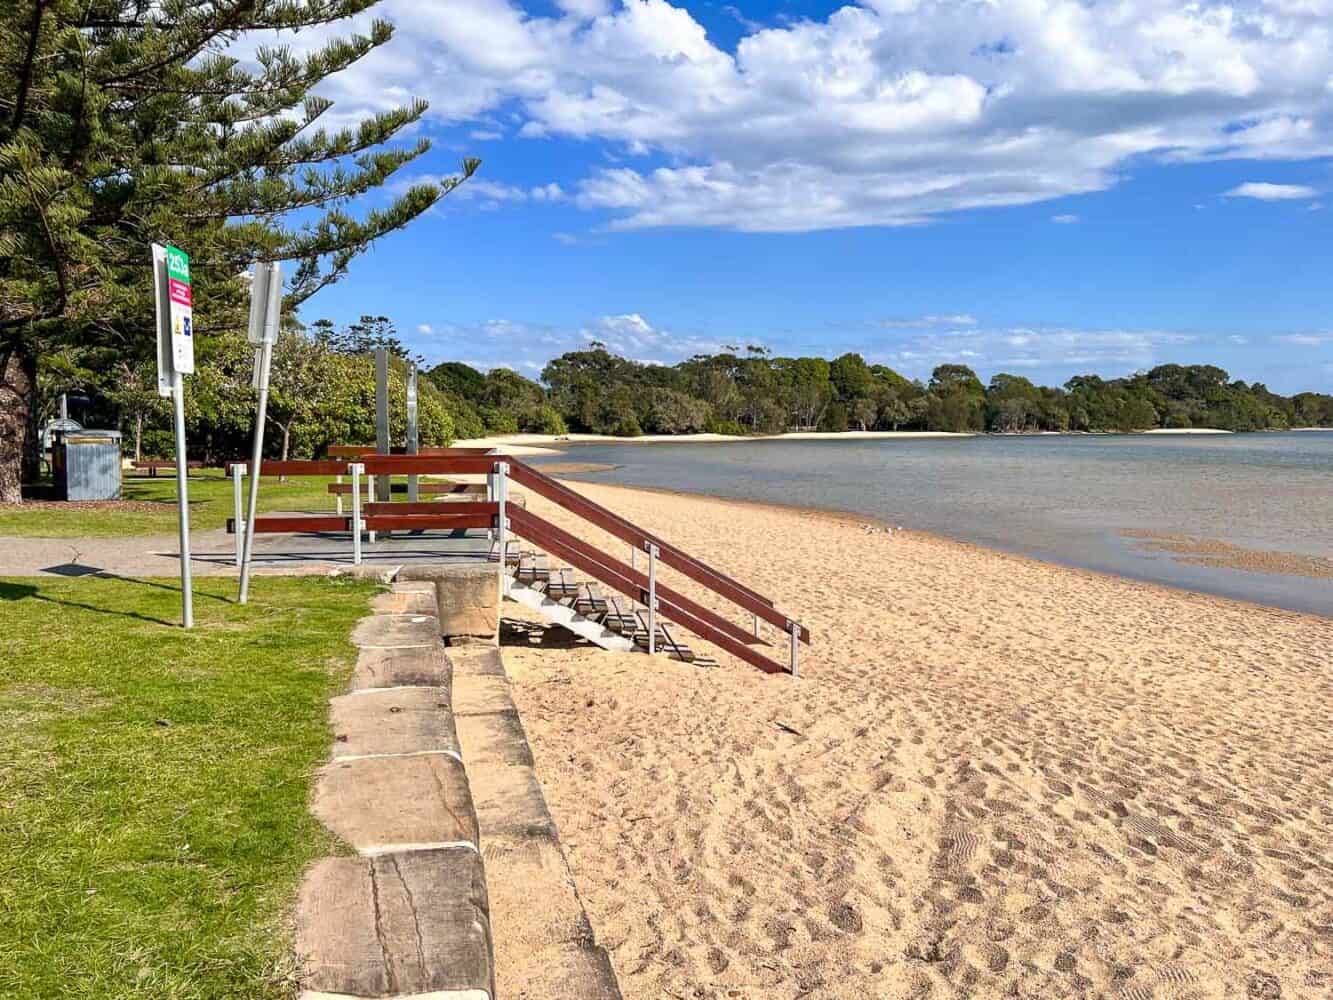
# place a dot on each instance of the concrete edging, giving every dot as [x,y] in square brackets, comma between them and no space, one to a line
[431,781]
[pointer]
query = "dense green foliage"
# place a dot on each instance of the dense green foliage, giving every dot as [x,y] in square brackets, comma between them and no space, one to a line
[755,393]
[322,392]
[156,781]
[124,123]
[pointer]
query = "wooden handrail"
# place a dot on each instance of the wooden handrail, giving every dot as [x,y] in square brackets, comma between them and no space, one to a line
[365,450]
[430,508]
[672,605]
[635,577]
[471,462]
[700,572]
[421,522]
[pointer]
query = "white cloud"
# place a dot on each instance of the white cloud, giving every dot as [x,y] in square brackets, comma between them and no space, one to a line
[485,134]
[1264,191]
[1064,220]
[566,239]
[519,344]
[1307,339]
[889,113]
[632,336]
[1009,348]
[952,319]
[424,329]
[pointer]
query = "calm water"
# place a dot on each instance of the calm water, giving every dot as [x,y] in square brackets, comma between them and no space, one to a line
[1064,499]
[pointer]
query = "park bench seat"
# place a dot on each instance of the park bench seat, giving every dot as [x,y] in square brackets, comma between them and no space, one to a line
[151,465]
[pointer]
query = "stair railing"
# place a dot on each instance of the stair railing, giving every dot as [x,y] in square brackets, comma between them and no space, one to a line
[502,518]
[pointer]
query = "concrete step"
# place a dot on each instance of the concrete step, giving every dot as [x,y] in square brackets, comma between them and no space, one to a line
[407,924]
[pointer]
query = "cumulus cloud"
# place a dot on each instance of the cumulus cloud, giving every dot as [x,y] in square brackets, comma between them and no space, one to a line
[1264,191]
[525,345]
[889,113]
[949,319]
[1020,348]
[632,336]
[425,329]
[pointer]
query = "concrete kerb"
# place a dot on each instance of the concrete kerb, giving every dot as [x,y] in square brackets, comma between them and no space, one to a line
[493,810]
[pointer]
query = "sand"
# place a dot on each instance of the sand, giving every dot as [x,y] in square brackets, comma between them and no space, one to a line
[520,445]
[996,777]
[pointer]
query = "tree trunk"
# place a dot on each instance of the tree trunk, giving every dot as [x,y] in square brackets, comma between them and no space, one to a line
[18,389]
[138,437]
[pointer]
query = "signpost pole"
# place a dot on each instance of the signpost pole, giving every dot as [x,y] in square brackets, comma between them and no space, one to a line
[174,307]
[265,308]
[382,491]
[237,484]
[183,500]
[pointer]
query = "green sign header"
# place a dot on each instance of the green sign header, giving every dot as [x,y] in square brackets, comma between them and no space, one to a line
[178,264]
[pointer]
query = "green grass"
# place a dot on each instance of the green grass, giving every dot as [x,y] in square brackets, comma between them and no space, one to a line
[154,782]
[211,504]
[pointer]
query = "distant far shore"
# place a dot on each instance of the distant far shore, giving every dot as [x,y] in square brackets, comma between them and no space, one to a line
[550,444]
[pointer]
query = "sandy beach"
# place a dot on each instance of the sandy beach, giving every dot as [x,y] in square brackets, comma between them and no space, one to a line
[996,777]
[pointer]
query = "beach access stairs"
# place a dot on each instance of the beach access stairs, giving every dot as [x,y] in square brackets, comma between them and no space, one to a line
[609,602]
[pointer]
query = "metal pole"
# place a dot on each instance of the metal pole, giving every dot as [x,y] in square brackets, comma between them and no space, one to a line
[756,625]
[795,631]
[256,459]
[501,534]
[370,498]
[652,597]
[183,499]
[413,438]
[382,488]
[338,497]
[237,478]
[356,469]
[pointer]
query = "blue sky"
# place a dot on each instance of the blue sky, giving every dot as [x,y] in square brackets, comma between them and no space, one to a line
[1044,187]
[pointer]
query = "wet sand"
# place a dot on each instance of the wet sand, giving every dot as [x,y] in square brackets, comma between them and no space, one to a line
[996,777]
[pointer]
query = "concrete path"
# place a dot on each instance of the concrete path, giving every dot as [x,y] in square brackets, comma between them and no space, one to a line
[214,552]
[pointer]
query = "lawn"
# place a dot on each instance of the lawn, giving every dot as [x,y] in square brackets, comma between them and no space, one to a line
[210,505]
[154,782]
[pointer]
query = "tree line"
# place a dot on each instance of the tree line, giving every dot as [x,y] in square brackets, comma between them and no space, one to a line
[754,392]
[323,392]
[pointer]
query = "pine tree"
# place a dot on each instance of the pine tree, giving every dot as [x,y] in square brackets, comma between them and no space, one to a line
[127,122]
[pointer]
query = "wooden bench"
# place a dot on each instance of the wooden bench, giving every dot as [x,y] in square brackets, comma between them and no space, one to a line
[153,464]
[433,489]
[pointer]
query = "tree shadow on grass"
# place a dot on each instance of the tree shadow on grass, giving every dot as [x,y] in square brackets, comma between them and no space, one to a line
[10,591]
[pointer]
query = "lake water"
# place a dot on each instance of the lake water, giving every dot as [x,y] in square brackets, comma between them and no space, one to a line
[1064,499]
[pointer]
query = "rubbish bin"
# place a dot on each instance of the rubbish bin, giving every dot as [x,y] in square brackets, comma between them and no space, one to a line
[86,465]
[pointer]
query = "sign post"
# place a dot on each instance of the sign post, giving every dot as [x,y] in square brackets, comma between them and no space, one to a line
[382,490]
[175,359]
[265,312]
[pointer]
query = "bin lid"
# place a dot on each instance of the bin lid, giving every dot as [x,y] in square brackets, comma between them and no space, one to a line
[89,437]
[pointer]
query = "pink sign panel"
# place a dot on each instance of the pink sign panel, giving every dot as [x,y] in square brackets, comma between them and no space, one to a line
[179,291]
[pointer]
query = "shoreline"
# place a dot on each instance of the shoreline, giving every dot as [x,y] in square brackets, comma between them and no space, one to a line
[895,530]
[851,518]
[520,445]
[995,775]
